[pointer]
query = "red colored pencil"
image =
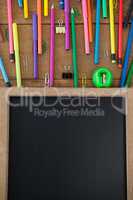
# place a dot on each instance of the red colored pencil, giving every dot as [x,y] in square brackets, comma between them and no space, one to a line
[120,33]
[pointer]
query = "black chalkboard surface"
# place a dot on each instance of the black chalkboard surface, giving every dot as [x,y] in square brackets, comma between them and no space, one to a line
[67,149]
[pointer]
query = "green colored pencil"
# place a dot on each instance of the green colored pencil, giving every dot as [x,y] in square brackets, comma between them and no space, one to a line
[104,7]
[129,76]
[74,49]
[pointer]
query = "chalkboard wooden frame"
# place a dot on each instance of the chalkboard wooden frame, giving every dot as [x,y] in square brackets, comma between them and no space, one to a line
[4,124]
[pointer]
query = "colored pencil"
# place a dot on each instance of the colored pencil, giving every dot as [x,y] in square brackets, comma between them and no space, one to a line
[112,31]
[86,31]
[120,38]
[104,8]
[20,3]
[130,76]
[74,48]
[127,55]
[39,14]
[90,26]
[67,23]
[17,54]
[61,4]
[26,10]
[10,30]
[35,44]
[97,33]
[45,8]
[52,46]
[4,73]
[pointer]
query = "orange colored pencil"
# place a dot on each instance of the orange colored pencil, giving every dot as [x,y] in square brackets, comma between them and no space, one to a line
[89,5]
[39,13]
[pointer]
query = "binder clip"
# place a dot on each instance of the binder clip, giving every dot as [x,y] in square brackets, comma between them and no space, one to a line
[84,80]
[46,80]
[60,29]
[67,74]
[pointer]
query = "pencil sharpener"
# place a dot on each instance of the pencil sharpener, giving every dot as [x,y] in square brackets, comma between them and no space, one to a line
[102,78]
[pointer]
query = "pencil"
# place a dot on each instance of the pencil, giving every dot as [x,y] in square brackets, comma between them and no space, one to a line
[104,8]
[120,33]
[26,11]
[39,13]
[17,55]
[129,76]
[97,33]
[4,73]
[127,56]
[52,46]
[10,30]
[35,38]
[45,8]
[86,31]
[67,23]
[112,31]
[20,3]
[74,49]
[90,26]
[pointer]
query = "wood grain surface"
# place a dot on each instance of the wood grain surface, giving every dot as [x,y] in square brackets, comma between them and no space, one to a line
[62,57]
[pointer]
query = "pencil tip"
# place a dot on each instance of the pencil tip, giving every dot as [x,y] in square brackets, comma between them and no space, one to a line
[72,10]
[52,6]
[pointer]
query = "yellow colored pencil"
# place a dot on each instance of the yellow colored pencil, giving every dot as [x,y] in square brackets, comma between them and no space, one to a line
[45,8]
[26,10]
[17,55]
[112,31]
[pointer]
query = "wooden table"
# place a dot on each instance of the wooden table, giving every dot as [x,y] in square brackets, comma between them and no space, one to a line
[62,57]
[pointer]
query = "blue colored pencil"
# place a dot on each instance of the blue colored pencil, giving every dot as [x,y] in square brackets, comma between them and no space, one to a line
[97,33]
[4,74]
[20,3]
[127,55]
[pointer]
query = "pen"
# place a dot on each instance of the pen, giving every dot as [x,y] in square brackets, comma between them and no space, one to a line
[39,14]
[97,33]
[17,55]
[10,31]
[4,74]
[74,49]
[129,76]
[67,23]
[112,31]
[52,46]
[104,8]
[20,3]
[120,33]
[26,11]
[86,31]
[35,42]
[90,26]
[127,55]
[45,8]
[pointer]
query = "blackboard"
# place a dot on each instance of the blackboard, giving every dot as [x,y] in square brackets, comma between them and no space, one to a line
[79,154]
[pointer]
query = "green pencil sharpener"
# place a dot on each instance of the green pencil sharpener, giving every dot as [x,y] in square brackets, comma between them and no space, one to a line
[102,78]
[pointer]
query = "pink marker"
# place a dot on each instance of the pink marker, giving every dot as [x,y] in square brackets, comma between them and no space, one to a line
[86,31]
[10,30]
[52,46]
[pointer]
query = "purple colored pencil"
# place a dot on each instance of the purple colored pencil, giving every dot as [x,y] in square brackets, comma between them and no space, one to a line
[67,23]
[35,45]
[52,46]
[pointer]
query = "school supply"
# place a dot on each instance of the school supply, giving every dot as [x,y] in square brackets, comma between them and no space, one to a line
[10,30]
[74,49]
[104,8]
[112,32]
[39,17]
[127,55]
[60,29]
[97,33]
[67,24]
[35,42]
[90,25]
[129,76]
[17,55]
[46,8]
[86,32]
[52,46]
[4,73]
[120,38]
[26,10]
[61,4]
[20,3]
[102,78]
